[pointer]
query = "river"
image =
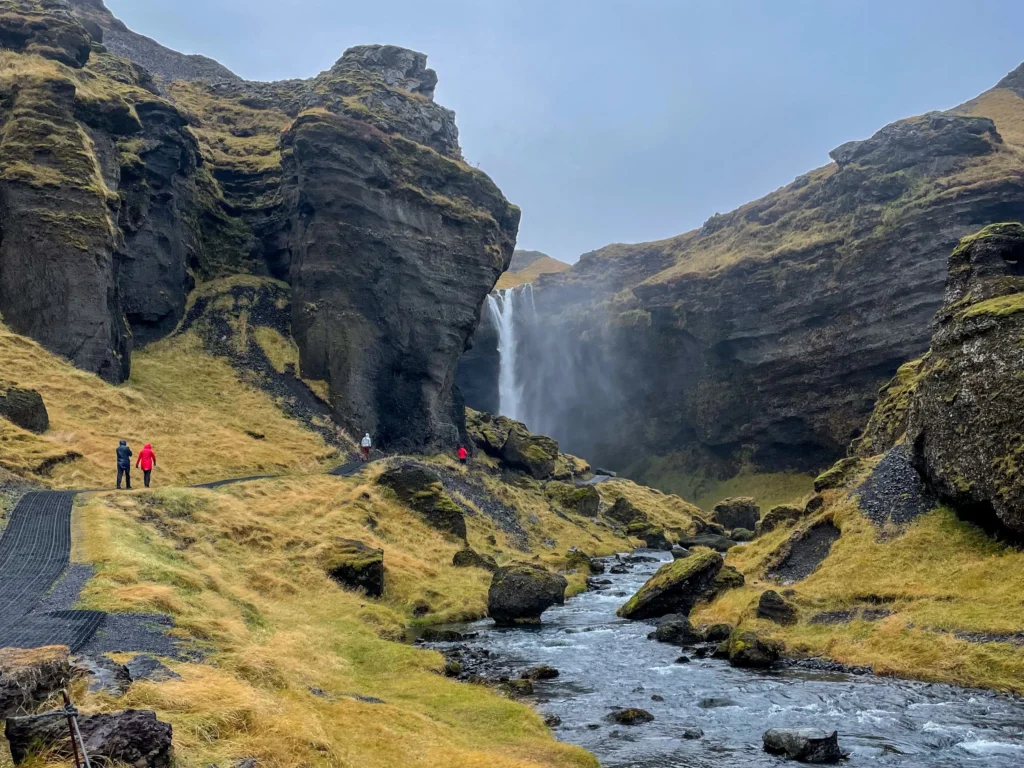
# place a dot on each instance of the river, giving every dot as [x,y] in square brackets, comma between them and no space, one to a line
[605,662]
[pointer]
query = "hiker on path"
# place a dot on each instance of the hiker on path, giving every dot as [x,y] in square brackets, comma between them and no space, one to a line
[147,460]
[365,445]
[463,454]
[124,465]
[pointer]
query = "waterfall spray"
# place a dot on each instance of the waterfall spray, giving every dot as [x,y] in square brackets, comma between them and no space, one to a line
[502,306]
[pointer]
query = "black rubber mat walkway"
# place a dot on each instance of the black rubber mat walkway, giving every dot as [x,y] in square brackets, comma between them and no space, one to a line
[35,549]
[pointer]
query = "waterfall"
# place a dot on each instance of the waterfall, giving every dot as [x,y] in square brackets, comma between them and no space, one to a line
[502,306]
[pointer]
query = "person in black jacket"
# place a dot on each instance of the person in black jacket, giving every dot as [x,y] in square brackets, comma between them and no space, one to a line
[124,465]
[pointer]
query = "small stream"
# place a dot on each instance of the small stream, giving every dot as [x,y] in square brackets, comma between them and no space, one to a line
[606,663]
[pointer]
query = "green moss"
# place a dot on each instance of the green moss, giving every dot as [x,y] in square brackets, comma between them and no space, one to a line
[838,475]
[888,420]
[999,306]
[671,573]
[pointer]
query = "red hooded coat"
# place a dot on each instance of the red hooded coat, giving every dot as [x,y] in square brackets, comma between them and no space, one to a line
[146,458]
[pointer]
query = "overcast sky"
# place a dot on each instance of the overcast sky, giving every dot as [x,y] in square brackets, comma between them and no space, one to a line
[631,120]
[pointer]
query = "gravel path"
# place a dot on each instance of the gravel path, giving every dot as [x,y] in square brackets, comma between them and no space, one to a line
[894,492]
[806,553]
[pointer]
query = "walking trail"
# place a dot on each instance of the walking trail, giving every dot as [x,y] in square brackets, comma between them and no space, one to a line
[35,551]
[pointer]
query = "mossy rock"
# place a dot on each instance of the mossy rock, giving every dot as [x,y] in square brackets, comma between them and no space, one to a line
[737,512]
[624,512]
[578,560]
[521,592]
[421,489]
[585,501]
[24,408]
[675,588]
[726,579]
[838,475]
[536,455]
[783,514]
[749,651]
[356,565]
[470,558]
[774,607]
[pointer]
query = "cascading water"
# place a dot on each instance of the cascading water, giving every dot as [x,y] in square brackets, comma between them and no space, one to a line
[503,307]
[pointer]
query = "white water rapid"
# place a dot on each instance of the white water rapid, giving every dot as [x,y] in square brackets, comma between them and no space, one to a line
[503,308]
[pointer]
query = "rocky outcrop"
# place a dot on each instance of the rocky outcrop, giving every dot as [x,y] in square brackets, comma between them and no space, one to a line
[356,565]
[760,340]
[963,423]
[23,408]
[737,512]
[470,558]
[521,592]
[749,651]
[675,588]
[133,737]
[29,677]
[777,516]
[421,489]
[774,607]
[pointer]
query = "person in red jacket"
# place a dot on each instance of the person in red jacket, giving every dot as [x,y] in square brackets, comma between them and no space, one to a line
[463,453]
[146,460]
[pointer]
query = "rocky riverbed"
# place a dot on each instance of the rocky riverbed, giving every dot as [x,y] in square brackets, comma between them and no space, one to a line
[707,713]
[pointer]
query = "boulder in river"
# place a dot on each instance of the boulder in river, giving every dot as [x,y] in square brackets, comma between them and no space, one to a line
[775,607]
[675,630]
[675,588]
[737,512]
[714,541]
[630,716]
[521,592]
[356,565]
[805,745]
[540,672]
[678,553]
[749,651]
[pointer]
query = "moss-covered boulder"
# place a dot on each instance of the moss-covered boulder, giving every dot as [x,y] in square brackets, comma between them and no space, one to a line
[713,541]
[356,565]
[749,651]
[675,588]
[421,489]
[737,512]
[470,558]
[964,425]
[521,592]
[675,629]
[776,517]
[584,500]
[625,513]
[838,475]
[44,29]
[774,607]
[888,420]
[630,716]
[579,560]
[726,579]
[24,408]
[487,431]
[536,455]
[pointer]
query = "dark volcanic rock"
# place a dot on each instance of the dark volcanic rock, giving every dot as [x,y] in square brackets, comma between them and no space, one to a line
[838,475]
[45,29]
[964,419]
[24,408]
[727,578]
[393,249]
[784,514]
[356,565]
[804,552]
[133,736]
[713,541]
[585,500]
[470,558]
[631,716]
[737,512]
[625,512]
[534,454]
[422,490]
[894,491]
[675,629]
[748,650]
[542,672]
[29,677]
[805,745]
[775,607]
[145,667]
[675,588]
[521,592]
[103,674]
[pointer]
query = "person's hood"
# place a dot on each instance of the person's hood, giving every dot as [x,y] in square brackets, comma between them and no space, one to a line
[147,446]
[124,442]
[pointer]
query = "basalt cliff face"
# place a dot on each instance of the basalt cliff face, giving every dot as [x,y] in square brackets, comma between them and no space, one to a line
[759,342]
[129,173]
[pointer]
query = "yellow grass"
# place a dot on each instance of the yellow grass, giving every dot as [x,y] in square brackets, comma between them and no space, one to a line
[188,404]
[940,576]
[241,569]
[545,265]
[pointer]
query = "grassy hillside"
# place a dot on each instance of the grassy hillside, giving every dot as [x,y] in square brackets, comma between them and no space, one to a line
[544,265]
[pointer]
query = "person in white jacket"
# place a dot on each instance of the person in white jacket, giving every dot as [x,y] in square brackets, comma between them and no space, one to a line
[366,444]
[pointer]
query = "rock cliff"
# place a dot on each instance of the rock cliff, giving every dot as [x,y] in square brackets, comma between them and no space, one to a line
[759,341]
[129,172]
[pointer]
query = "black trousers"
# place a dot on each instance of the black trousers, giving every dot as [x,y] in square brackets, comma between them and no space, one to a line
[125,472]
[145,476]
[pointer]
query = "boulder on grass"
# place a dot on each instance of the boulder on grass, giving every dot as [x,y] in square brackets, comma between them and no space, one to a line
[355,565]
[470,558]
[625,513]
[521,592]
[533,454]
[421,489]
[578,560]
[784,514]
[775,607]
[28,677]
[585,500]
[726,579]
[675,588]
[741,535]
[749,651]
[737,512]
[23,408]
[806,745]
[134,737]
[838,475]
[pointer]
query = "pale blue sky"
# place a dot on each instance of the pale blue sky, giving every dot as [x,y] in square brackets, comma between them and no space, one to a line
[614,121]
